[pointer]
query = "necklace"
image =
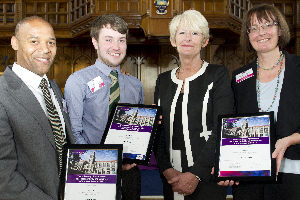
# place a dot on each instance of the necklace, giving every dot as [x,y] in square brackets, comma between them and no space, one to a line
[276,64]
[276,89]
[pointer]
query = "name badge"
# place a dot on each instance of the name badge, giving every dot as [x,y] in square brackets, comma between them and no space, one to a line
[64,106]
[95,84]
[244,75]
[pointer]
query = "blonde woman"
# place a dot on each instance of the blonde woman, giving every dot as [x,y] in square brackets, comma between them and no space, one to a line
[191,96]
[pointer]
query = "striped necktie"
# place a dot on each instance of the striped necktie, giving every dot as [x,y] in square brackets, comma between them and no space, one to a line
[54,119]
[114,96]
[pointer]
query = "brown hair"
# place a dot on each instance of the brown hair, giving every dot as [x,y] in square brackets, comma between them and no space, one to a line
[115,22]
[265,12]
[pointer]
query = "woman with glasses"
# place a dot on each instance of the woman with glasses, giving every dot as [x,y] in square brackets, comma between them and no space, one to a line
[191,96]
[273,84]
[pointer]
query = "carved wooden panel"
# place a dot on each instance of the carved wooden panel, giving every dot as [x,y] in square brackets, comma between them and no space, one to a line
[81,62]
[54,12]
[119,6]
[234,7]
[192,4]
[168,59]
[7,56]
[60,67]
[214,7]
[7,12]
[80,8]
[143,61]
[230,55]
[148,78]
[288,9]
[143,65]
[144,6]
[238,8]
[70,58]
[146,56]
[131,65]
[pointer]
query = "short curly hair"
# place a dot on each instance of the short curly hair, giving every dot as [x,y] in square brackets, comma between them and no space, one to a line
[269,13]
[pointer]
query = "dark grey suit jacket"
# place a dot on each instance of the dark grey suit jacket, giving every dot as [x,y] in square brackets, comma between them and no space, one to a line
[28,157]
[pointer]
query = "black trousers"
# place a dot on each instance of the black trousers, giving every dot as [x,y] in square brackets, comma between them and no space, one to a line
[131,184]
[287,188]
[251,191]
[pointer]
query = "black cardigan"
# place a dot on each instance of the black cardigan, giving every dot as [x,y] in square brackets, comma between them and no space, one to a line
[212,81]
[288,116]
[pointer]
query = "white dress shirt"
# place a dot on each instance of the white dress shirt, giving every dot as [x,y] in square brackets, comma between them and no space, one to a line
[33,81]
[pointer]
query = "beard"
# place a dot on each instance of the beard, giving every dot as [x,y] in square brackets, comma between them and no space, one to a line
[107,62]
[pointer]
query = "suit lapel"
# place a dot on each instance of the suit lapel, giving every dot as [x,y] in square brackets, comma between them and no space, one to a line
[26,98]
[246,90]
[252,92]
[287,81]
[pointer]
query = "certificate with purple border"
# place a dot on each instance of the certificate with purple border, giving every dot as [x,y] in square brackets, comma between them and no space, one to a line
[92,172]
[244,147]
[134,126]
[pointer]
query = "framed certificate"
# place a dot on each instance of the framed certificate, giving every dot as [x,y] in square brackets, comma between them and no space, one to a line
[134,126]
[92,172]
[244,147]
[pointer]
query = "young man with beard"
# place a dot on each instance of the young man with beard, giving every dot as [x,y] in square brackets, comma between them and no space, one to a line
[33,124]
[88,91]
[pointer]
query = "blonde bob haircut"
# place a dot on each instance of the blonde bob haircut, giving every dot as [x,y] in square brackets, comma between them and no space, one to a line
[192,19]
[270,14]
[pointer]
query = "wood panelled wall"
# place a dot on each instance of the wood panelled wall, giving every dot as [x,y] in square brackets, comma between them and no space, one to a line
[148,56]
[142,61]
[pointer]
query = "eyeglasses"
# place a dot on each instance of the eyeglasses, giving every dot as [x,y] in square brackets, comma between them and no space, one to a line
[266,26]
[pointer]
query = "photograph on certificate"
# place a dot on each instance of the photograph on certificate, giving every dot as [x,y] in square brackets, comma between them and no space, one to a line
[245,147]
[134,126]
[93,172]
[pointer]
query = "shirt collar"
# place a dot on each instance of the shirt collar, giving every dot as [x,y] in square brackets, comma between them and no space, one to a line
[28,77]
[104,68]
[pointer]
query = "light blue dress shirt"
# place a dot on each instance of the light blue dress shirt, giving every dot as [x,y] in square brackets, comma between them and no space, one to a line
[87,96]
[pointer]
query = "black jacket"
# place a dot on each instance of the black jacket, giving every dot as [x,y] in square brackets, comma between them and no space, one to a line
[288,116]
[207,93]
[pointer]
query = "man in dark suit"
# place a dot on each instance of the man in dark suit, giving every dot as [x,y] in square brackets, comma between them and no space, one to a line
[30,143]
